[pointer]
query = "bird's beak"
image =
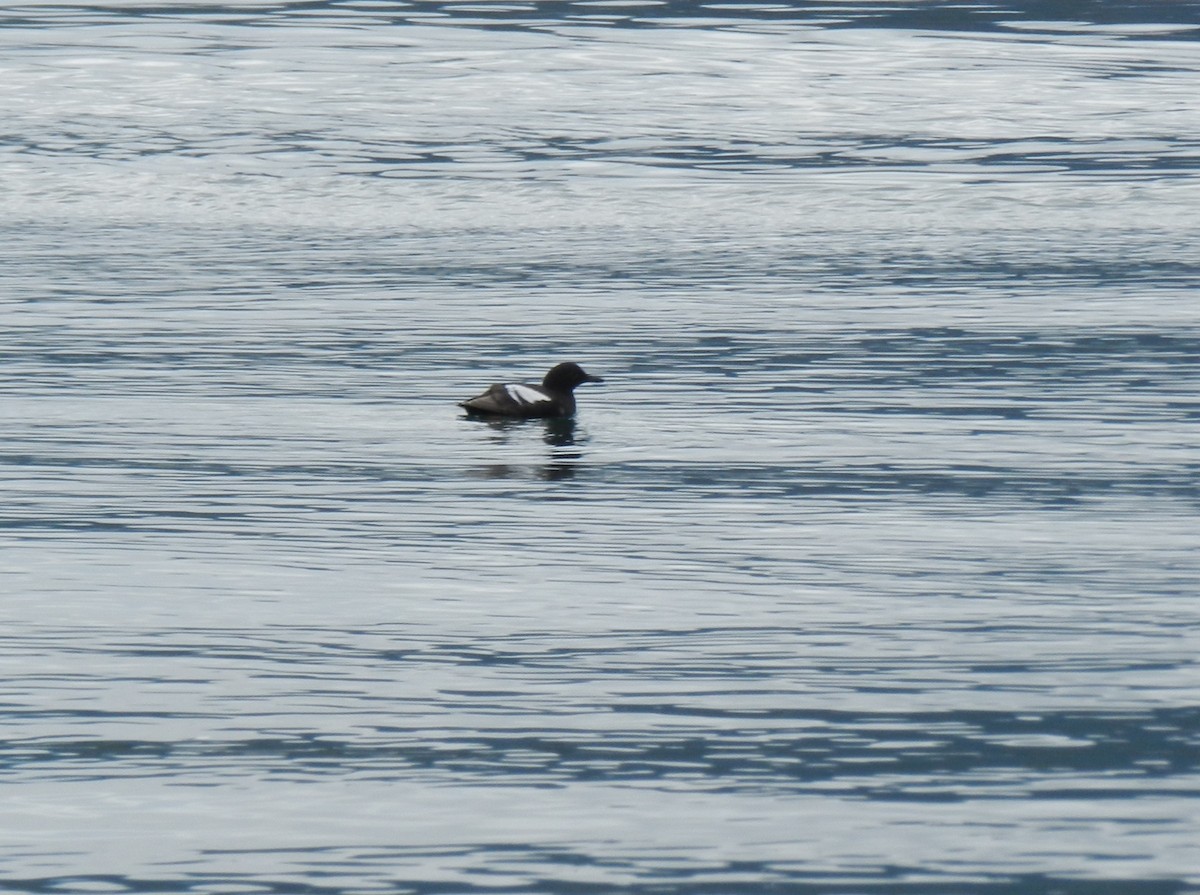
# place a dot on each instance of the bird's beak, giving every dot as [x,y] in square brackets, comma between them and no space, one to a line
[592,378]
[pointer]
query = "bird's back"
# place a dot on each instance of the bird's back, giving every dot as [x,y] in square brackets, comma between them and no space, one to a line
[516,399]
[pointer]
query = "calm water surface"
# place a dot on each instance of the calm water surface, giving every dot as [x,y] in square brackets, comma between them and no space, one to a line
[872,568]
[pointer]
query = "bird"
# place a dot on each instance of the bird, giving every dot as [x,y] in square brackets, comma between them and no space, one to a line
[554,397]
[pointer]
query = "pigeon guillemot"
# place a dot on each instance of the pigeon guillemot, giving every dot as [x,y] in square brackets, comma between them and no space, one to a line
[554,397]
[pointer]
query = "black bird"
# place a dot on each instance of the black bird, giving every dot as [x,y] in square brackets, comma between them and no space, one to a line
[554,397]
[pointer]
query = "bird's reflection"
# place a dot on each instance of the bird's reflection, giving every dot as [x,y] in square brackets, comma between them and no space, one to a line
[559,434]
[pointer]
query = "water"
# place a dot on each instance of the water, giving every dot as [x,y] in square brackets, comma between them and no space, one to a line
[872,568]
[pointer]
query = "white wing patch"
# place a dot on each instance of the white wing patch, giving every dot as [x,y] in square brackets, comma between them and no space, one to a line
[523,394]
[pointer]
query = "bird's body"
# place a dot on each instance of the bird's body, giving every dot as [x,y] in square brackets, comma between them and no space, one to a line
[554,397]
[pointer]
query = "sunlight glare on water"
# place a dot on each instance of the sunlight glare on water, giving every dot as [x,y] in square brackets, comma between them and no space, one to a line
[870,567]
